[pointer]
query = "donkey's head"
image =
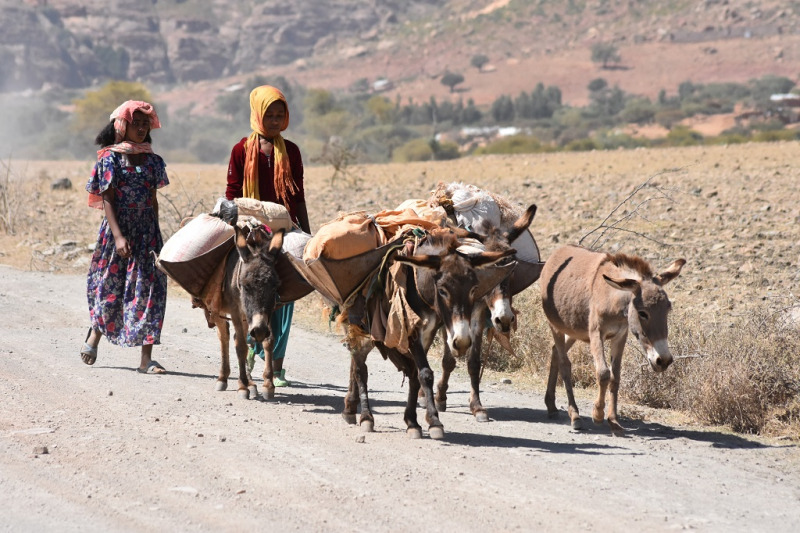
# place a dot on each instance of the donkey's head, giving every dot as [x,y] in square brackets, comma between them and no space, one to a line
[258,282]
[448,279]
[649,305]
[498,300]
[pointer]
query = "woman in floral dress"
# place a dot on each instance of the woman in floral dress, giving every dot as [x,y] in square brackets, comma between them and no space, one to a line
[127,294]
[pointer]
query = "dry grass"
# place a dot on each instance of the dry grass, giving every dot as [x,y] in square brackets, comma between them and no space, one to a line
[730,211]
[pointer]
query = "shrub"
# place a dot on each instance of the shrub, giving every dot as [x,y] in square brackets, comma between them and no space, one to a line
[683,136]
[517,144]
[775,135]
[669,117]
[414,150]
[745,376]
[581,145]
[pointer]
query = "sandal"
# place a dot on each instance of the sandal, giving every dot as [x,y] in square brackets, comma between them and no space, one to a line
[152,368]
[88,352]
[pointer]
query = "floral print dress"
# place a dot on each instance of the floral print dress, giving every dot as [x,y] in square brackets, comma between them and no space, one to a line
[128,296]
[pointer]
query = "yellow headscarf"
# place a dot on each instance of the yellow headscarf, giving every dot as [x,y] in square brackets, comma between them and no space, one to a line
[260,100]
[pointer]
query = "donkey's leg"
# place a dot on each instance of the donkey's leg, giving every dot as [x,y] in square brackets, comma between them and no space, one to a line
[561,347]
[224,336]
[413,429]
[602,373]
[247,388]
[616,348]
[269,371]
[351,398]
[425,380]
[474,367]
[358,389]
[448,365]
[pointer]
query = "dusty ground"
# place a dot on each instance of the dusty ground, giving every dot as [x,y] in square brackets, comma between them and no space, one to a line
[144,453]
[128,452]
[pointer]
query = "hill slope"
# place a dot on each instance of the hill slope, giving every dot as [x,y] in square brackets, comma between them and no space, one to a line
[193,48]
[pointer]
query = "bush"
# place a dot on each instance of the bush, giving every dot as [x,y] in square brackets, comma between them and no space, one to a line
[746,376]
[517,144]
[669,117]
[581,145]
[414,150]
[683,136]
[773,135]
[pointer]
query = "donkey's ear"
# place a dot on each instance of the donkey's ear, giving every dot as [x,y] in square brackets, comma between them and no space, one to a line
[489,258]
[462,233]
[241,243]
[522,223]
[276,243]
[623,284]
[671,272]
[423,261]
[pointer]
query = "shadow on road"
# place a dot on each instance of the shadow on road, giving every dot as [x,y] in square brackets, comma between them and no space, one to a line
[499,441]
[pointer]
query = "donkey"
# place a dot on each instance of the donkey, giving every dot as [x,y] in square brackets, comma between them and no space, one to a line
[249,293]
[439,285]
[593,297]
[494,311]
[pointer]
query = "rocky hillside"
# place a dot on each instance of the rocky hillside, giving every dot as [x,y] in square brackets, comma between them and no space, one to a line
[75,43]
[79,43]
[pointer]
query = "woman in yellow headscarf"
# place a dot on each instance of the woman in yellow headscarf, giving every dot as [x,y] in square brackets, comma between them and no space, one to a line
[267,167]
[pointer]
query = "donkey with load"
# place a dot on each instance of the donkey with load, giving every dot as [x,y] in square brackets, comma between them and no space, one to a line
[422,283]
[238,274]
[504,226]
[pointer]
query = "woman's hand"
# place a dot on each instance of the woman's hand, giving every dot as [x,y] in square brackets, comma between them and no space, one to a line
[123,249]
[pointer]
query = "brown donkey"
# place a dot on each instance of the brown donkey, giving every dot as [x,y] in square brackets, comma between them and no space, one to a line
[249,294]
[593,297]
[440,286]
[493,310]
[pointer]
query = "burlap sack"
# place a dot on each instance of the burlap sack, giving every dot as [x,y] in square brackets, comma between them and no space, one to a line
[347,236]
[198,236]
[273,215]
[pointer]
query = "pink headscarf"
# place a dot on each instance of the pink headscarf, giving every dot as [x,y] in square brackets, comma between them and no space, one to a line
[122,116]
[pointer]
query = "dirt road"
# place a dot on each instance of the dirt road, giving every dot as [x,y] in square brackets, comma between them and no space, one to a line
[131,452]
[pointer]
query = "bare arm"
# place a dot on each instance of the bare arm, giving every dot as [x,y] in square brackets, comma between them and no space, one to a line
[109,206]
[302,217]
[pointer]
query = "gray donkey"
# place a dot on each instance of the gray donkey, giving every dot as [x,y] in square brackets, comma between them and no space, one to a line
[249,295]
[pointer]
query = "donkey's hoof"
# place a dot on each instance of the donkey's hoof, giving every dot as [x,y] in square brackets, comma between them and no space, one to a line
[441,406]
[221,386]
[253,391]
[482,416]
[436,432]
[244,394]
[350,418]
[269,394]
[368,426]
[577,424]
[414,433]
[552,415]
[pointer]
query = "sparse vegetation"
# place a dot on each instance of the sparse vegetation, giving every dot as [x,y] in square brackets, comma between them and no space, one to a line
[605,53]
[451,79]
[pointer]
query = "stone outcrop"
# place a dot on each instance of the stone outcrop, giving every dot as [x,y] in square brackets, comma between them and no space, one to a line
[76,43]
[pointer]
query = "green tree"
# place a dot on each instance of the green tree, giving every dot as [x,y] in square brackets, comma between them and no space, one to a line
[605,53]
[381,108]
[503,109]
[92,111]
[479,61]
[451,79]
